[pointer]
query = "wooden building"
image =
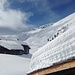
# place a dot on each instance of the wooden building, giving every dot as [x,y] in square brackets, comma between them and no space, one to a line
[26,48]
[13,47]
[3,50]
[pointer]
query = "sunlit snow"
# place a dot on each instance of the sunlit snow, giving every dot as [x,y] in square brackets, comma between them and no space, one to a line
[59,49]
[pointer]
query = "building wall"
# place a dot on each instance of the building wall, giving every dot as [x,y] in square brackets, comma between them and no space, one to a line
[26,49]
[3,50]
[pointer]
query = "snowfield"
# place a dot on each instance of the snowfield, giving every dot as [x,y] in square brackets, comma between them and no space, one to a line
[60,49]
[13,65]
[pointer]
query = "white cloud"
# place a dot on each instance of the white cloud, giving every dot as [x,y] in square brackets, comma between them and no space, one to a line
[2,3]
[13,19]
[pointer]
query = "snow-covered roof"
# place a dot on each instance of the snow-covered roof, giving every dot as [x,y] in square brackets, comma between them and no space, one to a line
[22,43]
[11,44]
[58,50]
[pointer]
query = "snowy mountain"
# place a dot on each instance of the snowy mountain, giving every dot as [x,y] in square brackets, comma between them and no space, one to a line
[22,36]
[47,34]
[60,48]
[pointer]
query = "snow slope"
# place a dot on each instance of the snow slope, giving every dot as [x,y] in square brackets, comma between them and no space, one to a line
[22,36]
[39,39]
[59,49]
[13,65]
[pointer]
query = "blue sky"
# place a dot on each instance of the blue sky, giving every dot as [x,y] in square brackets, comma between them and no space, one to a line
[22,15]
[44,11]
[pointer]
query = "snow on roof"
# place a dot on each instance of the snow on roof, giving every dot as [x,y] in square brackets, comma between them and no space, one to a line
[11,44]
[58,50]
[22,43]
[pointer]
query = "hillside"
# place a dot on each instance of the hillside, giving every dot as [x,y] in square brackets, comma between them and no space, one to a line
[48,33]
[59,49]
